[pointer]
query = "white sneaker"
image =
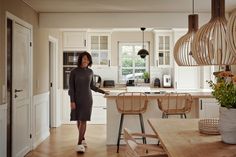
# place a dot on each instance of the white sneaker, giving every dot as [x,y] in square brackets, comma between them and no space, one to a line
[80,148]
[84,143]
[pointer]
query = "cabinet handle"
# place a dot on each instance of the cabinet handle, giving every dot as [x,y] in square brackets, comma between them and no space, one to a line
[85,43]
[109,63]
[200,104]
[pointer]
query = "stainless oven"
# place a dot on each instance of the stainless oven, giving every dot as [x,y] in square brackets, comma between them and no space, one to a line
[66,76]
[71,57]
[70,60]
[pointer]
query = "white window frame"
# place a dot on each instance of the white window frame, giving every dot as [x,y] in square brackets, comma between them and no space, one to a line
[120,44]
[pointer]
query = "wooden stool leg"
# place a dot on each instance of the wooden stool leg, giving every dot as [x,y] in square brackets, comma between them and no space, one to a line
[119,133]
[142,127]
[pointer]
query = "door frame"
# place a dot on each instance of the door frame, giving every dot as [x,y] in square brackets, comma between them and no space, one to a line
[54,96]
[16,19]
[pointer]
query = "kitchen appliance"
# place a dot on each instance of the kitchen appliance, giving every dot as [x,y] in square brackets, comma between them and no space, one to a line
[157,82]
[166,81]
[108,83]
[66,76]
[71,57]
[97,80]
[130,83]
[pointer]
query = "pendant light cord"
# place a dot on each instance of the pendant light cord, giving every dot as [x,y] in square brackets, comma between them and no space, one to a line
[193,6]
[143,39]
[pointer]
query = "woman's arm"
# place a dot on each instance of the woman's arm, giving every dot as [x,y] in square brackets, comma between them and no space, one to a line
[96,89]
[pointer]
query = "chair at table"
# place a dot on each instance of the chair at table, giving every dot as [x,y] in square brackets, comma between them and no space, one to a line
[175,104]
[131,103]
[135,149]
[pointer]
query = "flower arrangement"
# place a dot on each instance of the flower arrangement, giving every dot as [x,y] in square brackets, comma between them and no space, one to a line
[224,90]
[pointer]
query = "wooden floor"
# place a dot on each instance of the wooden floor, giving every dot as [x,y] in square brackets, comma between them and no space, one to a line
[62,141]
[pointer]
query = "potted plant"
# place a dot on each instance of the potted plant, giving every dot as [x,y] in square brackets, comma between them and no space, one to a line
[146,77]
[224,90]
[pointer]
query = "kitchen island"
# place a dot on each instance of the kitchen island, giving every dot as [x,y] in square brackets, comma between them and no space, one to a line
[132,122]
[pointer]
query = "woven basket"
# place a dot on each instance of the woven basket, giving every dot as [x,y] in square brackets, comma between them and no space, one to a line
[209,126]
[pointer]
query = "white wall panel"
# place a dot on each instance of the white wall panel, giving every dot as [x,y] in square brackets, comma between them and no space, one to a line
[3,130]
[40,118]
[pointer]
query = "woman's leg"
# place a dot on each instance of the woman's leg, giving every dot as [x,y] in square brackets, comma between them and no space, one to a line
[82,128]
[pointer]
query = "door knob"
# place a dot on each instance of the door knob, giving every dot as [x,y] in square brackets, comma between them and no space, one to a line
[18,90]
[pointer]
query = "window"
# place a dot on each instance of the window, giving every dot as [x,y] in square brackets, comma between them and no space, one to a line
[132,66]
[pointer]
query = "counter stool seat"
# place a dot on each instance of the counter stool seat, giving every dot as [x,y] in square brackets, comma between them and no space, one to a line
[175,104]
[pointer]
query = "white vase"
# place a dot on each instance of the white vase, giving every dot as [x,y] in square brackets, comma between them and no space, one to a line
[227,125]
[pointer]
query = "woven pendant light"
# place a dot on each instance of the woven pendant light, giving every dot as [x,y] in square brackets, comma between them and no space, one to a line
[183,47]
[209,44]
[231,32]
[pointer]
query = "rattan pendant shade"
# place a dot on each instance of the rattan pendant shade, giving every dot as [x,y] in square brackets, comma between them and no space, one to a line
[209,44]
[183,47]
[231,32]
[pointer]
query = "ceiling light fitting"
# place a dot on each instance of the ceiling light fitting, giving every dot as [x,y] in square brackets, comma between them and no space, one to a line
[183,47]
[209,43]
[143,52]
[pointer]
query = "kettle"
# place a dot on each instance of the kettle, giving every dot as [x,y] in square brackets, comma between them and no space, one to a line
[97,80]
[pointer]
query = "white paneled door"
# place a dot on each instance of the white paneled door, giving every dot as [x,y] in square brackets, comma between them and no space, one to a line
[21,140]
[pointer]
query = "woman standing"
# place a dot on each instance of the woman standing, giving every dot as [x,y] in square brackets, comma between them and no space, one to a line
[80,85]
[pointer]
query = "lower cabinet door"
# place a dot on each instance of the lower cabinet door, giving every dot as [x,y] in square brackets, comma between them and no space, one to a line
[99,115]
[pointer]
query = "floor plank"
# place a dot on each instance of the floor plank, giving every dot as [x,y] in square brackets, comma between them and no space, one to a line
[62,141]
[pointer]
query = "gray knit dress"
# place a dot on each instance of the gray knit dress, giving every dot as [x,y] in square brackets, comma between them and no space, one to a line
[80,85]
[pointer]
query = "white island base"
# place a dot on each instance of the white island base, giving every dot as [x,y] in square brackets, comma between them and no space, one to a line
[132,121]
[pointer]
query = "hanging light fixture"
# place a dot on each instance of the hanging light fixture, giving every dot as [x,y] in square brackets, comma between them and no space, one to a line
[231,32]
[183,47]
[209,43]
[143,52]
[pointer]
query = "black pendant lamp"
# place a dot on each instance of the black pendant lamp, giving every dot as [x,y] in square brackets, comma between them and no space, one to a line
[143,52]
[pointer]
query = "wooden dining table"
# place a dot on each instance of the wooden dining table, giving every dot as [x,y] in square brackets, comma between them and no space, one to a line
[181,138]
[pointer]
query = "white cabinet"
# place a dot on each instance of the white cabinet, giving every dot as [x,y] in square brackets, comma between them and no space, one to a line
[100,48]
[99,112]
[163,48]
[74,40]
[208,108]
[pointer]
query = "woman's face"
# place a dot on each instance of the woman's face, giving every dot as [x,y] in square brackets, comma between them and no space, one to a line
[85,62]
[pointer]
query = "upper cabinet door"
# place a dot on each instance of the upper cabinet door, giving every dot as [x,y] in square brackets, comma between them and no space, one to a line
[99,47]
[74,40]
[163,48]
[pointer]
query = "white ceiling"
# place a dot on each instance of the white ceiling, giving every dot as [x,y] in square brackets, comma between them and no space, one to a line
[127,6]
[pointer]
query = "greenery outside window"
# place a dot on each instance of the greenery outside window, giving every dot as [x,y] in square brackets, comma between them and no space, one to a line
[131,65]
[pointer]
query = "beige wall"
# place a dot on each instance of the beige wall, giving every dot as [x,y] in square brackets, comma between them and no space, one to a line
[41,60]
[130,37]
[40,44]
[24,12]
[1,50]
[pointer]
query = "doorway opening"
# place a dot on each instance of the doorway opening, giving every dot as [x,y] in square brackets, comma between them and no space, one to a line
[9,86]
[54,103]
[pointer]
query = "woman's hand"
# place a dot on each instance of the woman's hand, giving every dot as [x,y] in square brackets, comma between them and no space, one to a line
[106,93]
[72,105]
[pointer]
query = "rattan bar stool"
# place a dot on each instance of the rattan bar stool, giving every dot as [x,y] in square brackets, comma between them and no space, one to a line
[175,104]
[131,103]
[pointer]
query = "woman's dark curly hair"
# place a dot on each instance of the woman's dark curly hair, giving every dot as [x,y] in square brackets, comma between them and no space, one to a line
[85,53]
